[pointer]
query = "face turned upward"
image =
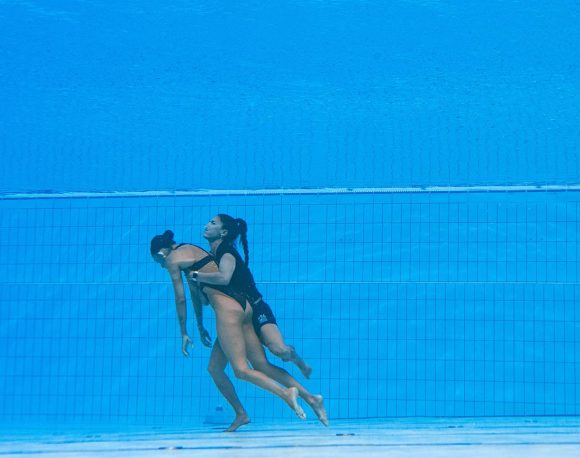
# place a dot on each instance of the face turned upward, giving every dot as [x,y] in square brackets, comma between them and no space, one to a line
[214,230]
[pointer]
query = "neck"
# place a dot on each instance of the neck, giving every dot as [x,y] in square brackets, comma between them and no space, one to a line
[214,245]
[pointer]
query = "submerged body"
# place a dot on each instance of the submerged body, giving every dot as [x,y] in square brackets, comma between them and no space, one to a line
[237,342]
[235,331]
[221,231]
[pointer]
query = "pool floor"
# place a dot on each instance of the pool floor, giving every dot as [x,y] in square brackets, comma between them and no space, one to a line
[529,437]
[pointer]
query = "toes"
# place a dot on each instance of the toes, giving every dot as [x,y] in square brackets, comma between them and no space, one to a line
[319,409]
[300,413]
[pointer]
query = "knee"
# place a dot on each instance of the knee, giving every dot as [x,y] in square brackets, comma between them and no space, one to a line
[284,352]
[242,373]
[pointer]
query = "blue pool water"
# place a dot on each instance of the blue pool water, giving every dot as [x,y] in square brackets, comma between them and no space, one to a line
[408,302]
[101,95]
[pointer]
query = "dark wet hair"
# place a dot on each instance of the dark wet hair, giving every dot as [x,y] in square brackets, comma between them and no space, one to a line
[159,242]
[236,227]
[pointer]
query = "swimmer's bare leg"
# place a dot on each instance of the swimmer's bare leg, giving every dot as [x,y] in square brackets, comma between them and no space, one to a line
[316,402]
[300,363]
[216,368]
[272,338]
[236,335]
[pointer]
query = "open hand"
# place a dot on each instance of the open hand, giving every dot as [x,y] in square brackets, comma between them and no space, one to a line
[205,337]
[185,342]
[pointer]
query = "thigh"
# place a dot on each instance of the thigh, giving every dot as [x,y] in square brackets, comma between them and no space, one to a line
[229,323]
[254,349]
[271,335]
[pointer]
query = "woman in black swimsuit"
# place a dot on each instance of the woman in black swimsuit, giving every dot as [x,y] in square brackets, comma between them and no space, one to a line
[263,318]
[221,232]
[236,337]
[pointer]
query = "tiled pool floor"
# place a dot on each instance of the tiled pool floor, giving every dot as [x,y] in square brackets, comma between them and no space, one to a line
[527,437]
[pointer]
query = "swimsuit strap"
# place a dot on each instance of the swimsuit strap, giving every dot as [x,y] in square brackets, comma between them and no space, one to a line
[199,264]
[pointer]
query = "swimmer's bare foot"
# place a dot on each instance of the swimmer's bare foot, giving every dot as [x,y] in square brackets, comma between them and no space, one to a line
[240,420]
[305,369]
[317,404]
[291,399]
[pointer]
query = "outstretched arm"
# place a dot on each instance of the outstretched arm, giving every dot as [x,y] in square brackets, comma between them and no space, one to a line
[197,301]
[181,308]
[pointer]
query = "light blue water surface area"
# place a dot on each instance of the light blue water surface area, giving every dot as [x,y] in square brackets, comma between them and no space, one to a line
[180,94]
